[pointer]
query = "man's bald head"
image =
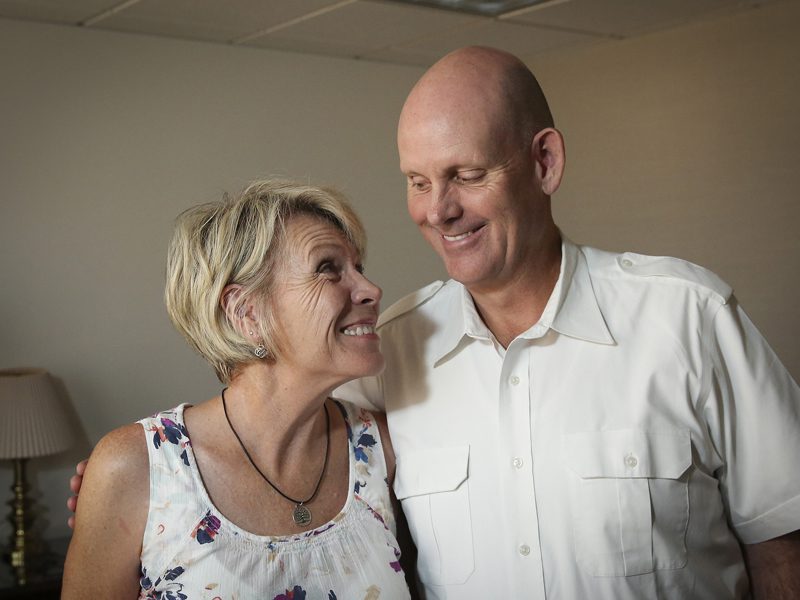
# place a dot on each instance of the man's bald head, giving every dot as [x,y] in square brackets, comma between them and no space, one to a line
[481,159]
[477,79]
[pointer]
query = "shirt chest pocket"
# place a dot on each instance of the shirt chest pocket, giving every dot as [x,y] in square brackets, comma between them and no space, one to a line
[630,499]
[432,486]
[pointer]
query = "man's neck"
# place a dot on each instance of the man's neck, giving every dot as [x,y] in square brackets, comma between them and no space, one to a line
[516,306]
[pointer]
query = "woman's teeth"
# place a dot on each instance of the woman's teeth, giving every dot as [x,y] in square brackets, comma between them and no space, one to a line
[359,330]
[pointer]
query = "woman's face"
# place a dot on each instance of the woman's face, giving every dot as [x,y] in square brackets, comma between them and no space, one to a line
[323,308]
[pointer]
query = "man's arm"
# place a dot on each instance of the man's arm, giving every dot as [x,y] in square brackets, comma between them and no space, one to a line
[756,408]
[75,483]
[774,567]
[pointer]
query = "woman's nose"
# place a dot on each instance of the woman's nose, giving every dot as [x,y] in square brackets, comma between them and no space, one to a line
[366,292]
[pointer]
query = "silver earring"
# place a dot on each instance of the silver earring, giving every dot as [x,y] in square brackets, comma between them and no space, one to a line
[260,351]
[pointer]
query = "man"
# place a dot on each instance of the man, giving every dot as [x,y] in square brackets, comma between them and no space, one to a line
[570,423]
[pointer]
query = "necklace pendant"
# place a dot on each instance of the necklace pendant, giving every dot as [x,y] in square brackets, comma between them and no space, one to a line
[301,515]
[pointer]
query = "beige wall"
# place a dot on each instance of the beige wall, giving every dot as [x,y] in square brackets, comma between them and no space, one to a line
[679,143]
[104,139]
[687,143]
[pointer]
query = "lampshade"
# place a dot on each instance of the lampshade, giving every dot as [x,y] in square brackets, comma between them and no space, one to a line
[33,418]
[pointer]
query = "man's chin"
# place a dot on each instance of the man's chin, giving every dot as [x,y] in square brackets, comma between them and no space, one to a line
[469,275]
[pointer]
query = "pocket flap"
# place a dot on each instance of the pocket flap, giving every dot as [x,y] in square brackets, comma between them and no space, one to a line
[629,453]
[430,471]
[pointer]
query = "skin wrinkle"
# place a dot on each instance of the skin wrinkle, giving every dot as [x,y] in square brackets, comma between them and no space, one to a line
[511,261]
[310,242]
[311,287]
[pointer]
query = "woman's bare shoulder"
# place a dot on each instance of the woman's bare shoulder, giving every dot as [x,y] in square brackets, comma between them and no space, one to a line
[110,518]
[121,453]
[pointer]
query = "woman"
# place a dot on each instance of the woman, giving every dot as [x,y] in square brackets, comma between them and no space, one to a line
[272,489]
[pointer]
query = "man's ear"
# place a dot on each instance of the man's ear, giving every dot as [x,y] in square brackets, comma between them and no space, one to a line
[549,156]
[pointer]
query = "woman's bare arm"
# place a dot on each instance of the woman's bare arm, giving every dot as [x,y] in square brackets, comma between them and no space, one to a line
[103,556]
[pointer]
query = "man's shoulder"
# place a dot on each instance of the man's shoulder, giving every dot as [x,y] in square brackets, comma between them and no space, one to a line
[415,301]
[647,269]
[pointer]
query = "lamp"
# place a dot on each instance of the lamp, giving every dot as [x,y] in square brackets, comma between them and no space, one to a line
[33,422]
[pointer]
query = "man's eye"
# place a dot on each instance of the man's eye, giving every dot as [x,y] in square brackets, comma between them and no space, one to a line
[469,176]
[418,184]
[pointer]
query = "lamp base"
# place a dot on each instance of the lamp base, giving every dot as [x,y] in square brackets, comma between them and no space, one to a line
[24,546]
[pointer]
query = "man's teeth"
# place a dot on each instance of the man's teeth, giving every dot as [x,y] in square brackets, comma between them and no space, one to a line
[359,330]
[455,238]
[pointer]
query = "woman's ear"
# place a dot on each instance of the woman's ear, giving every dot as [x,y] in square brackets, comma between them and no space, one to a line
[238,312]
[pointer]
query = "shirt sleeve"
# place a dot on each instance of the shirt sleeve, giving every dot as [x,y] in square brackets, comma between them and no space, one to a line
[753,411]
[366,392]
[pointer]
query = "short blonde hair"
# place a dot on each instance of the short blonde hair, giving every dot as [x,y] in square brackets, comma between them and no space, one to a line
[238,241]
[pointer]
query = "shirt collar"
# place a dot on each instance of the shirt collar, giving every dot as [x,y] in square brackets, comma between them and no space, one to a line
[571,310]
[459,320]
[578,314]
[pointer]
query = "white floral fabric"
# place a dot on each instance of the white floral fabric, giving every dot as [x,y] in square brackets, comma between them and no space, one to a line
[190,551]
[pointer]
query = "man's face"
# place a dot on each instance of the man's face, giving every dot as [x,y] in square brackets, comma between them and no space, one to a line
[473,192]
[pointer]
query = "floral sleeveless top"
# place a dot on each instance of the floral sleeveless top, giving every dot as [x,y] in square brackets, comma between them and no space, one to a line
[192,552]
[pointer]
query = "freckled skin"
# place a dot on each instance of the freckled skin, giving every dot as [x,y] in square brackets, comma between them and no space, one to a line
[318,289]
[123,526]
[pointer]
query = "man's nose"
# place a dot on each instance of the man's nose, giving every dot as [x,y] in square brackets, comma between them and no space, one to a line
[444,205]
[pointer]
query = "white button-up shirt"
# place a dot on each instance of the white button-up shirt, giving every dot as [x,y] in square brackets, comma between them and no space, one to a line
[614,450]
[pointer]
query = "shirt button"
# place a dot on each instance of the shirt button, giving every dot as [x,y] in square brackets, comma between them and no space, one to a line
[524,549]
[631,461]
[626,262]
[517,462]
[514,380]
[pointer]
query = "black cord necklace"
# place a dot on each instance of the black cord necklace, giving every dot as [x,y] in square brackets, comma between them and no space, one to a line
[300,514]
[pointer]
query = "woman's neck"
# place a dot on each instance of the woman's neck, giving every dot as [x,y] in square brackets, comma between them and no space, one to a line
[276,416]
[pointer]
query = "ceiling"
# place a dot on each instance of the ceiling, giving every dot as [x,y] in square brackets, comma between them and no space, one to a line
[378,30]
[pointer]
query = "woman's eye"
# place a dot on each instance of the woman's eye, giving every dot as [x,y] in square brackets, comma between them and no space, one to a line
[328,268]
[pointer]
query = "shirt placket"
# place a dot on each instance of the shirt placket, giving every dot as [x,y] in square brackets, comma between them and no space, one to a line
[515,421]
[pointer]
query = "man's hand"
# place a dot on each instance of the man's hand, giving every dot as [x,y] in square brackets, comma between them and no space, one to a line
[75,487]
[772,566]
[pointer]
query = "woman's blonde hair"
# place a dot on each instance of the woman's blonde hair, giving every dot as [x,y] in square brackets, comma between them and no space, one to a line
[238,241]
